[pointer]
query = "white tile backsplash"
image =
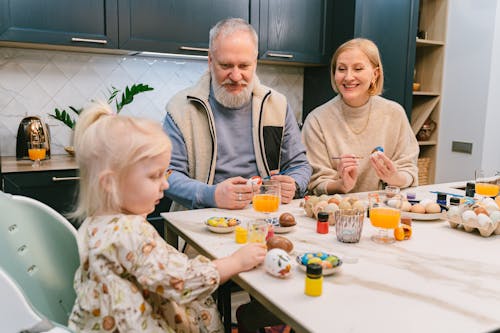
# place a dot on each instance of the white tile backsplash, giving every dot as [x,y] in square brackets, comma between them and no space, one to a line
[34,82]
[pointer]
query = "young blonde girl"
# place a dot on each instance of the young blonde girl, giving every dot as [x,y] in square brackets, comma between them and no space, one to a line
[129,279]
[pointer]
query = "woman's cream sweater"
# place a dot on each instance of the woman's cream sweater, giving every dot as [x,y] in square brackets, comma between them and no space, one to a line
[330,130]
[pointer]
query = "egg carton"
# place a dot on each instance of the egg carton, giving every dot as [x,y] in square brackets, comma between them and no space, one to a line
[472,224]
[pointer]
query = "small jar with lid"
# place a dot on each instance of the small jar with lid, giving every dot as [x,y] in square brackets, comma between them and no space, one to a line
[314,280]
[442,198]
[322,224]
[454,201]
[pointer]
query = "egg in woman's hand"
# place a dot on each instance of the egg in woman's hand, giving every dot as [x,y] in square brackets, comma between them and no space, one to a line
[278,263]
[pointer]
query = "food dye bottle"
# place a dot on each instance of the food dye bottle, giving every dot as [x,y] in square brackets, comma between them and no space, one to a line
[314,280]
[322,224]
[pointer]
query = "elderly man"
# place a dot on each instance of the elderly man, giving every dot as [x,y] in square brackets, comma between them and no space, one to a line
[228,127]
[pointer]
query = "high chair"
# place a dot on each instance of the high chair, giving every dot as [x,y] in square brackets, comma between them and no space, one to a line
[38,249]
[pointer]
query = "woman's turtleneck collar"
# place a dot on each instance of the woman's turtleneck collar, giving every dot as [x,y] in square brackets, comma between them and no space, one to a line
[355,112]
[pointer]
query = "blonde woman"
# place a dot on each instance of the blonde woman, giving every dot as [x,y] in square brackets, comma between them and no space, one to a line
[341,135]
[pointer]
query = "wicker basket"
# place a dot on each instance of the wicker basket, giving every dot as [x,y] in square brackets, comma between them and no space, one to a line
[423,170]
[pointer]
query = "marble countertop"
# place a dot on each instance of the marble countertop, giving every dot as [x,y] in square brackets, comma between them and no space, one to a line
[56,162]
[441,280]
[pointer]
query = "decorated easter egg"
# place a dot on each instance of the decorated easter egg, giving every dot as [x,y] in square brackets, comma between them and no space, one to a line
[278,263]
[255,180]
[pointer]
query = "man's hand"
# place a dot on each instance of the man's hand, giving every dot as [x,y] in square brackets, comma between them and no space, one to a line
[287,185]
[233,193]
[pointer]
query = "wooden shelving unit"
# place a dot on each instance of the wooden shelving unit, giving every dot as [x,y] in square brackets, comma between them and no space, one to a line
[429,60]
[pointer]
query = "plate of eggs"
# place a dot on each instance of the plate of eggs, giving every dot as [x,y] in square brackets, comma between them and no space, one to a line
[330,262]
[423,210]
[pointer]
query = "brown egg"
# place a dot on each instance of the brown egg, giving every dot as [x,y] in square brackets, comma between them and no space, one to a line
[319,207]
[432,208]
[481,210]
[417,208]
[287,220]
[345,204]
[334,200]
[279,242]
[405,206]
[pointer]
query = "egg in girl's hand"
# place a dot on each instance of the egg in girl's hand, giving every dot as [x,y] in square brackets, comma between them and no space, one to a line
[278,263]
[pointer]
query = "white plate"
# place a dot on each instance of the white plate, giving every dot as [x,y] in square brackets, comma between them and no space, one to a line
[425,217]
[326,271]
[222,230]
[274,221]
[284,230]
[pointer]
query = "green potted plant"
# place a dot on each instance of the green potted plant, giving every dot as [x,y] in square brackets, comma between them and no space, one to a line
[126,97]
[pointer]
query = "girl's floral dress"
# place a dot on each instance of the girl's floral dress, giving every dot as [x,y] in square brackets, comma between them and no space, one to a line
[131,280]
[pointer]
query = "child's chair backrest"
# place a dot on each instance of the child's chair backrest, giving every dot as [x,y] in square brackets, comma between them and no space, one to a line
[38,249]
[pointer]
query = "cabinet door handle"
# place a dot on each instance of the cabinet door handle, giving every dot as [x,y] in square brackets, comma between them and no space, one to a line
[62,179]
[189,48]
[88,40]
[280,55]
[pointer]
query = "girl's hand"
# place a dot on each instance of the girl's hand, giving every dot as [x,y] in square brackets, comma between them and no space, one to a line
[348,171]
[250,255]
[244,259]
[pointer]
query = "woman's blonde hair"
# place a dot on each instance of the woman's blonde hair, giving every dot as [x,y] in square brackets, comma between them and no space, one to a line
[105,142]
[371,51]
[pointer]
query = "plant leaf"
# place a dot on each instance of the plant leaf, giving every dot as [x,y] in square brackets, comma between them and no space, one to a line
[128,96]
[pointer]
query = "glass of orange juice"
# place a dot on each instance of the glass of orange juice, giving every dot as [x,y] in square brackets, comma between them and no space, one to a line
[384,219]
[266,197]
[36,153]
[487,183]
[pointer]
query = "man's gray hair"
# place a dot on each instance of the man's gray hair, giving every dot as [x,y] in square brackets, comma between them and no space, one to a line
[228,26]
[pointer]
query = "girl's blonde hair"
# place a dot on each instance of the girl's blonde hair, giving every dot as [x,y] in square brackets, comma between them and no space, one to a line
[371,51]
[105,142]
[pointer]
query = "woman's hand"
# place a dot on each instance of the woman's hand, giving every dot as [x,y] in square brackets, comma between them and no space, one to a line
[348,171]
[385,169]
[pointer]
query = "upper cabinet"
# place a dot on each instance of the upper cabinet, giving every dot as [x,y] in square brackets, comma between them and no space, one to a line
[174,26]
[289,30]
[392,25]
[295,30]
[89,23]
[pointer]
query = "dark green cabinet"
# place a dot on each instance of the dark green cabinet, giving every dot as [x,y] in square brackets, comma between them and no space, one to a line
[289,30]
[90,23]
[296,30]
[392,25]
[57,188]
[174,26]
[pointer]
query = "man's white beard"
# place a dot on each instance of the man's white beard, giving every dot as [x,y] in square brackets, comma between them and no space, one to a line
[230,100]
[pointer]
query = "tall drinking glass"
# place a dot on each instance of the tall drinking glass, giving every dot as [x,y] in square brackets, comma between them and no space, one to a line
[487,183]
[384,219]
[36,153]
[266,197]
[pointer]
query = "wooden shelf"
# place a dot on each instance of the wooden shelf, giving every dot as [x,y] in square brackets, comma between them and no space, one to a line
[429,63]
[428,42]
[427,143]
[422,109]
[426,93]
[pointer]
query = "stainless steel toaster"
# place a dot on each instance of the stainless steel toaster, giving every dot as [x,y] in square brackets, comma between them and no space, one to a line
[31,129]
